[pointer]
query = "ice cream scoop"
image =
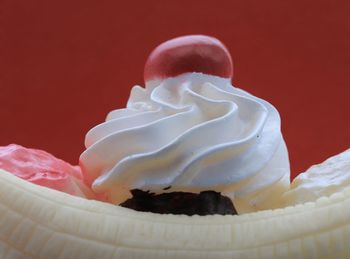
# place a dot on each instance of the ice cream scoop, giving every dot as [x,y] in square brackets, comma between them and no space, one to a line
[39,167]
[331,176]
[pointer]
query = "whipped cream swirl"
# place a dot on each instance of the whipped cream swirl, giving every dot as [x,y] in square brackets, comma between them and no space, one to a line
[193,132]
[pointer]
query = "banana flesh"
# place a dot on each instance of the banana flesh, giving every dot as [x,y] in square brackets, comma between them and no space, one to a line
[37,222]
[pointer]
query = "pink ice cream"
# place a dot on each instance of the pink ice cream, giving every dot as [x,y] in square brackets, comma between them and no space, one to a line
[42,168]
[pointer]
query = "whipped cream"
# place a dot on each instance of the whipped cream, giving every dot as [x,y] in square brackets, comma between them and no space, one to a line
[193,132]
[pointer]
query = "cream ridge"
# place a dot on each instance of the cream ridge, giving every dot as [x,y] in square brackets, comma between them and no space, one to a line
[192,132]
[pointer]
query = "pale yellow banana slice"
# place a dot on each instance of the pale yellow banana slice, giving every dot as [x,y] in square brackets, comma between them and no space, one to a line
[37,222]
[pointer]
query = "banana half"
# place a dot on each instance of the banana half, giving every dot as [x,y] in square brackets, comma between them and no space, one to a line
[37,222]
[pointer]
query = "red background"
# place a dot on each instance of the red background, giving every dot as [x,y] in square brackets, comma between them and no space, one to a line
[65,64]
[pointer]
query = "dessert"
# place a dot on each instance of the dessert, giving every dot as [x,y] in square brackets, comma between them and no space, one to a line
[37,222]
[204,203]
[331,176]
[41,222]
[190,130]
[42,168]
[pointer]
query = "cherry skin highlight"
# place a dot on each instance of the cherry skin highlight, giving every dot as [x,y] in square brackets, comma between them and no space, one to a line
[186,54]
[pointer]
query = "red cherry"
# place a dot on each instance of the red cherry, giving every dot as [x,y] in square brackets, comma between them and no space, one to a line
[193,53]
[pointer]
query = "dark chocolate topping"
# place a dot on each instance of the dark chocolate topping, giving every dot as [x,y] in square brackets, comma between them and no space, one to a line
[204,203]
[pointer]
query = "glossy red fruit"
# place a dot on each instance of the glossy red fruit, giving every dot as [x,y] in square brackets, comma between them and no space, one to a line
[193,53]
